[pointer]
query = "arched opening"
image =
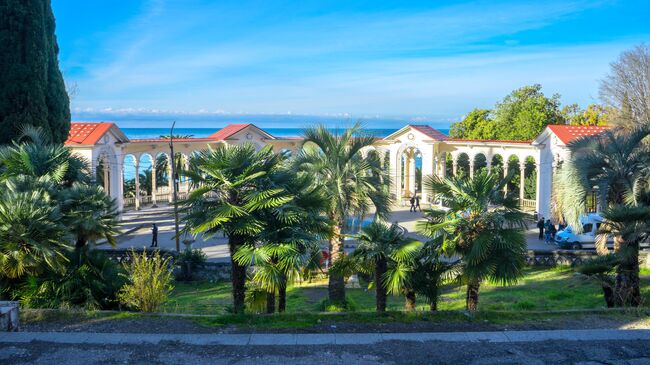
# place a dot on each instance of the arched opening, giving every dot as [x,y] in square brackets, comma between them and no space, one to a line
[103,173]
[163,173]
[146,182]
[512,187]
[129,180]
[497,165]
[529,202]
[411,176]
[462,164]
[480,163]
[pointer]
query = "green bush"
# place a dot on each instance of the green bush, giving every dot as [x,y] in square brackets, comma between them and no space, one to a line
[337,307]
[189,260]
[90,280]
[149,281]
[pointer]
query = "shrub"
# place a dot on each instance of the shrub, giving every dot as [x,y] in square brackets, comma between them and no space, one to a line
[149,281]
[337,307]
[90,280]
[189,260]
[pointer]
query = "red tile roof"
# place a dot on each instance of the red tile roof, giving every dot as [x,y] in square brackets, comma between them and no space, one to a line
[567,133]
[431,132]
[87,133]
[227,131]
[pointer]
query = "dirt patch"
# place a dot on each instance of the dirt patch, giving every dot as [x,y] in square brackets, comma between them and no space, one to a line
[165,324]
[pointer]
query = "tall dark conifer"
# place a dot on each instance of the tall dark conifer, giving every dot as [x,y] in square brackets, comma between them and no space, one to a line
[32,90]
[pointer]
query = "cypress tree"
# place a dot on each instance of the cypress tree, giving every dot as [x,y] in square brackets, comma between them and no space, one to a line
[32,90]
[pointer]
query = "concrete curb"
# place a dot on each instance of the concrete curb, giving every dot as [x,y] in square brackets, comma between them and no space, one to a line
[261,339]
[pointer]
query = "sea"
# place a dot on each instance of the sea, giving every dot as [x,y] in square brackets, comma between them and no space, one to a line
[136,133]
[145,163]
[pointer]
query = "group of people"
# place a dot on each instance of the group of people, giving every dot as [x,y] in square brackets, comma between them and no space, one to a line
[547,230]
[415,204]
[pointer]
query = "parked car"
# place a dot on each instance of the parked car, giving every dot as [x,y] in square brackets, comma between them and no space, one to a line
[567,239]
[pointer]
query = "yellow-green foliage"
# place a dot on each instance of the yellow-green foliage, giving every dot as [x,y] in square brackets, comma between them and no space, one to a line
[150,282]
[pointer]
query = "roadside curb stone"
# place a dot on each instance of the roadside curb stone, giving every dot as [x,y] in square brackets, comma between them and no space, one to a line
[284,339]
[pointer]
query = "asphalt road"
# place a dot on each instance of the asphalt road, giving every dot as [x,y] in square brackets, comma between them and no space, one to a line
[393,352]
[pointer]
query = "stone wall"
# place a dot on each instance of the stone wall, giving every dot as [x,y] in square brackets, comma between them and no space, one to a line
[211,271]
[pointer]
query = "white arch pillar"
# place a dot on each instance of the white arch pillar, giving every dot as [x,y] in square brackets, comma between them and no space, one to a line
[522,179]
[153,183]
[137,182]
[170,181]
[471,167]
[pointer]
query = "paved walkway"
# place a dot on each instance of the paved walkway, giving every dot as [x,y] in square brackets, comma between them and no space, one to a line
[265,339]
[138,225]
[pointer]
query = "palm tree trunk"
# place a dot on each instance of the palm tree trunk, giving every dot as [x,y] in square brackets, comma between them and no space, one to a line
[608,293]
[282,298]
[409,300]
[626,290]
[471,301]
[270,302]
[433,300]
[336,285]
[380,290]
[238,274]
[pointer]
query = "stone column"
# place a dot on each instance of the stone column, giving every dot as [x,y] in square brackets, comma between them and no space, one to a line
[153,184]
[443,165]
[506,167]
[488,164]
[171,183]
[522,179]
[454,164]
[107,181]
[136,164]
[407,174]
[471,167]
[538,187]
[412,179]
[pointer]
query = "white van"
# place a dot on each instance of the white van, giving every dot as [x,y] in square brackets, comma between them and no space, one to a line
[567,239]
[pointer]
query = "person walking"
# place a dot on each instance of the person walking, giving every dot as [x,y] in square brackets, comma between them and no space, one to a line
[412,201]
[154,235]
[553,232]
[417,204]
[547,231]
[540,225]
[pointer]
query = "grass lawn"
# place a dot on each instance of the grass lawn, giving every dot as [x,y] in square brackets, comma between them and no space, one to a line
[540,289]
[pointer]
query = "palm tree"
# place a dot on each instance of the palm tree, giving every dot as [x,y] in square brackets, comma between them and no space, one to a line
[89,214]
[432,271]
[616,164]
[233,187]
[386,252]
[482,227]
[37,158]
[352,183]
[31,235]
[290,241]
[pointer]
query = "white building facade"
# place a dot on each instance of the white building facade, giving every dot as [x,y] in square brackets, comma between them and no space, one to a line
[412,153]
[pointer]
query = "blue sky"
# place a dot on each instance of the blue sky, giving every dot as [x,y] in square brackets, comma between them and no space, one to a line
[196,60]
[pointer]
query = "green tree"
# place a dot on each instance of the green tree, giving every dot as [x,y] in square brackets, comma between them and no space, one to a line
[594,115]
[617,164]
[32,237]
[352,183]
[89,214]
[431,271]
[32,90]
[524,113]
[233,189]
[477,124]
[482,227]
[386,252]
[290,241]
